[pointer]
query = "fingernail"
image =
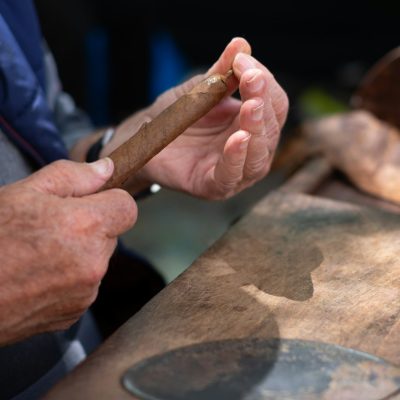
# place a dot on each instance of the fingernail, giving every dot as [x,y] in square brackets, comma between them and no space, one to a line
[256,82]
[244,61]
[258,112]
[103,167]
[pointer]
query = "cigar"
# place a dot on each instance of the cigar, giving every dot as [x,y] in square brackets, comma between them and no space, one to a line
[154,136]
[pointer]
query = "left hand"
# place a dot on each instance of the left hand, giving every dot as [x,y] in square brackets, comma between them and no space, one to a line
[231,147]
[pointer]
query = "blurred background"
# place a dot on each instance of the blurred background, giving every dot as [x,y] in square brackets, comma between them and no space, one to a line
[115,57]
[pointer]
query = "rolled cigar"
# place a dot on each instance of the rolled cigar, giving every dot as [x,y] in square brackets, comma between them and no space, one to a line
[154,136]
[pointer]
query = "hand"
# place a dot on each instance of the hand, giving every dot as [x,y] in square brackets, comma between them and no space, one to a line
[233,145]
[56,237]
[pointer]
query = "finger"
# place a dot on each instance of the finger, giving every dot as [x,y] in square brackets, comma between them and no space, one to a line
[221,66]
[224,63]
[71,179]
[253,83]
[258,117]
[228,172]
[243,63]
[116,210]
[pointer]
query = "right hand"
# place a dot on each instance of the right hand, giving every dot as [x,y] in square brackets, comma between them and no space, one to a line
[56,238]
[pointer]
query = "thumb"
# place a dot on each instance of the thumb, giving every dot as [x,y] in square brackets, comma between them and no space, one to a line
[71,179]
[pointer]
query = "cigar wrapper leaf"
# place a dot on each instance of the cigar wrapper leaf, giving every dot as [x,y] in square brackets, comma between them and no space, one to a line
[154,136]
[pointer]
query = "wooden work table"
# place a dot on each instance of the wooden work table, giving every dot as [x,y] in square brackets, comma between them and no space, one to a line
[298,266]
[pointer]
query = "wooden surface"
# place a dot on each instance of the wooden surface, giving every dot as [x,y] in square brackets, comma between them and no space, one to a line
[339,189]
[297,266]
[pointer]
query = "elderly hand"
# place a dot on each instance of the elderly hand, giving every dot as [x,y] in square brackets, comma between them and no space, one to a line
[56,237]
[233,145]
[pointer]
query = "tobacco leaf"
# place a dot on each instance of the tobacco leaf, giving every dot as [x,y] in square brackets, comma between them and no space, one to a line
[363,147]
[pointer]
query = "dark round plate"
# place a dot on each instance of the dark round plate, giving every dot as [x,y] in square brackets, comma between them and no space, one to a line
[256,369]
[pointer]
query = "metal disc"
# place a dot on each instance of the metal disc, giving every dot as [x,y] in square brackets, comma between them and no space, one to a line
[257,369]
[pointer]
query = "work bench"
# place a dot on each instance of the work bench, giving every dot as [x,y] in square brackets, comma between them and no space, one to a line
[312,270]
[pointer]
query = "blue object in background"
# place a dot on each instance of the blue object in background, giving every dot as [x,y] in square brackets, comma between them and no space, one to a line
[168,65]
[97,57]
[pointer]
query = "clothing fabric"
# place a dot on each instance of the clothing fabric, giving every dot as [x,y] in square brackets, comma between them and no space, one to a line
[13,165]
[26,116]
[29,368]
[38,124]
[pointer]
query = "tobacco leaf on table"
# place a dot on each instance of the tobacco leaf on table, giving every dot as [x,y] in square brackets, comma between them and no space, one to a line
[363,147]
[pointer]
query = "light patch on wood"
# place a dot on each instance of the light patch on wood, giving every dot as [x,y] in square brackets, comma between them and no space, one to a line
[257,294]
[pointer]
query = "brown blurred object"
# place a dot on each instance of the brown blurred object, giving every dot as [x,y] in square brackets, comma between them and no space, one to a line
[366,149]
[363,144]
[379,91]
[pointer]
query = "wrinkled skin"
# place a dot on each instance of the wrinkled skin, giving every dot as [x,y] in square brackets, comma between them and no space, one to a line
[57,234]
[229,149]
[56,238]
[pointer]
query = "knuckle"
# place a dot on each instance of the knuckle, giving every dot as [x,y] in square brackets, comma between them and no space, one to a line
[224,190]
[282,106]
[54,173]
[254,173]
[272,128]
[112,245]
[59,169]
[229,184]
[92,275]
[81,309]
[65,324]
[83,220]
[82,305]
[89,273]
[91,218]
[256,168]
[60,165]
[249,74]
[235,164]
[285,101]
[265,170]
[267,75]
